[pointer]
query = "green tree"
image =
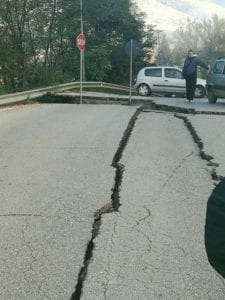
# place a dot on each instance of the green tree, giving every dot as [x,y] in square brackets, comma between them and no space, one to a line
[38,40]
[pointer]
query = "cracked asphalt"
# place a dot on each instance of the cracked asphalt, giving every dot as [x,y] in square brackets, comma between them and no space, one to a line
[153,248]
[56,173]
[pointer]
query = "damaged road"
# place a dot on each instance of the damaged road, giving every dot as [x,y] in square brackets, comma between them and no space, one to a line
[55,173]
[153,247]
[111,204]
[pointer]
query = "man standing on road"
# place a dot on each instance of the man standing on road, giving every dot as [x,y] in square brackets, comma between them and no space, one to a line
[189,73]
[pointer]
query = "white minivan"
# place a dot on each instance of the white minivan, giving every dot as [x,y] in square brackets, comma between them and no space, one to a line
[166,80]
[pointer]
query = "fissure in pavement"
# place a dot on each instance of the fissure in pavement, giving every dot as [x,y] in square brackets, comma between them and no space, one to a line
[107,208]
[200,145]
[193,132]
[215,221]
[114,204]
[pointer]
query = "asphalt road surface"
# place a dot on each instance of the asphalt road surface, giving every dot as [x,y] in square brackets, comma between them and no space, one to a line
[56,173]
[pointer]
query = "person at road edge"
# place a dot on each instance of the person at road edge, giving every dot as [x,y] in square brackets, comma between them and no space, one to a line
[189,73]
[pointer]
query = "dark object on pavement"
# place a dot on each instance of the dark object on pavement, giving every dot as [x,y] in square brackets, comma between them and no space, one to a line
[215,228]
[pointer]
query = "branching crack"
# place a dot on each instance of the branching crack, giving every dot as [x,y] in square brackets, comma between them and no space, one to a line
[107,208]
[146,217]
[196,138]
[200,145]
[143,219]
[170,177]
[114,204]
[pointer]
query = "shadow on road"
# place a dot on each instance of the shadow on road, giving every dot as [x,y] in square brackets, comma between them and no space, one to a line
[215,229]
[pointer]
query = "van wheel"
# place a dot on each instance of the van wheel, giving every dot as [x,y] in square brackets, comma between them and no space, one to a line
[144,90]
[199,91]
[211,97]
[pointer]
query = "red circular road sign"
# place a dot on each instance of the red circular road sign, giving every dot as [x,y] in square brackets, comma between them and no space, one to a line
[81,41]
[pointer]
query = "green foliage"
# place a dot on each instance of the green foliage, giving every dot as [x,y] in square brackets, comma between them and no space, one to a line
[38,41]
[97,63]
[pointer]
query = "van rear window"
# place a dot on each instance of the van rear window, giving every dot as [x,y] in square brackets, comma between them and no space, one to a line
[218,67]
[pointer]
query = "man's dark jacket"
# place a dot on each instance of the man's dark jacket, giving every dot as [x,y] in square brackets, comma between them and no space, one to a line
[190,66]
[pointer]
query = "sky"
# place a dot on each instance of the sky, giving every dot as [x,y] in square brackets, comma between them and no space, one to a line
[168,15]
[221,2]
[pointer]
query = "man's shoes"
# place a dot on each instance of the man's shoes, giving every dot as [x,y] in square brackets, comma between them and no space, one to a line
[191,101]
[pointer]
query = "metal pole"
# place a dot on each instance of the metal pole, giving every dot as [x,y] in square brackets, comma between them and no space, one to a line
[81,51]
[81,17]
[81,74]
[82,31]
[131,63]
[83,68]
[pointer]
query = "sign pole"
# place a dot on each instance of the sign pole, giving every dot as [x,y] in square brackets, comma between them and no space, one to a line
[81,40]
[131,63]
[132,48]
[81,52]
[81,75]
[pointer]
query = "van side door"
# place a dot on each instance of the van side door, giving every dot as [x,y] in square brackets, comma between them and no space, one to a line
[218,78]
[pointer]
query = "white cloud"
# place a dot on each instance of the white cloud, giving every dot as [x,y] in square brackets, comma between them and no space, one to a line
[170,14]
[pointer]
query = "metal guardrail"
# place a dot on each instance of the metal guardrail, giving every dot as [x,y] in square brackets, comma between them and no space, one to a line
[36,93]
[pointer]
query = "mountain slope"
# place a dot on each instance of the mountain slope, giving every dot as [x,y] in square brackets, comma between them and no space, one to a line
[169,14]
